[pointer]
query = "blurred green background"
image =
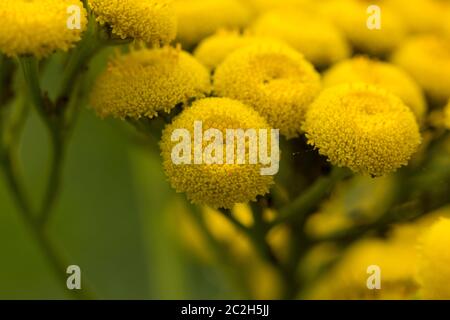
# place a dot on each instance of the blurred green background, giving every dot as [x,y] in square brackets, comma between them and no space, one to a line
[112,218]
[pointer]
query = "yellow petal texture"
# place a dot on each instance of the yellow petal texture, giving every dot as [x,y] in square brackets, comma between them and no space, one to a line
[433,272]
[198,19]
[351,17]
[320,41]
[362,127]
[213,50]
[427,59]
[274,79]
[385,75]
[152,21]
[38,27]
[145,82]
[215,185]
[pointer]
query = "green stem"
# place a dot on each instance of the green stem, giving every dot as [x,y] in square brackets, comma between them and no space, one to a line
[299,208]
[30,70]
[78,60]
[55,260]
[53,188]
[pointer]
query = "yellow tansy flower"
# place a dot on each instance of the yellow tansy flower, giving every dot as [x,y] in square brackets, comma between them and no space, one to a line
[152,21]
[362,127]
[216,185]
[38,27]
[274,79]
[433,271]
[351,17]
[385,75]
[213,50]
[427,59]
[349,278]
[198,19]
[319,40]
[145,82]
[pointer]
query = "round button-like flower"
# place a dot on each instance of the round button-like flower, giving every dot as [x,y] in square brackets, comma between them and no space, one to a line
[351,17]
[38,27]
[385,75]
[152,21]
[319,40]
[274,79]
[198,19]
[427,59]
[213,50]
[433,271]
[362,127]
[145,82]
[216,184]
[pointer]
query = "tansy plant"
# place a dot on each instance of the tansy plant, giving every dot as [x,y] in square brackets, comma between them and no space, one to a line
[264,120]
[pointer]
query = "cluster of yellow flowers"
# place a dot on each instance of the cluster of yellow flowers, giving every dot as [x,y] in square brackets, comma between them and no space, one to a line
[312,69]
[413,260]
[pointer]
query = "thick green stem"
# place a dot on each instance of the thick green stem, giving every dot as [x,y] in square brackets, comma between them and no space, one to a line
[299,208]
[30,70]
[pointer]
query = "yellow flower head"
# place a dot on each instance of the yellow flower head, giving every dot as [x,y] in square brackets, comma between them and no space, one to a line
[423,16]
[350,277]
[218,185]
[319,40]
[274,79]
[145,82]
[152,21]
[351,17]
[385,75]
[38,27]
[434,271]
[362,127]
[198,19]
[427,59]
[213,50]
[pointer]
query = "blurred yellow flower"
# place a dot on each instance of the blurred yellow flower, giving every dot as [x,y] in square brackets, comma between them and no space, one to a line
[320,41]
[145,82]
[213,50]
[427,59]
[274,79]
[38,27]
[152,21]
[447,115]
[422,16]
[385,75]
[261,6]
[357,201]
[434,271]
[351,17]
[215,185]
[362,127]
[348,279]
[198,19]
